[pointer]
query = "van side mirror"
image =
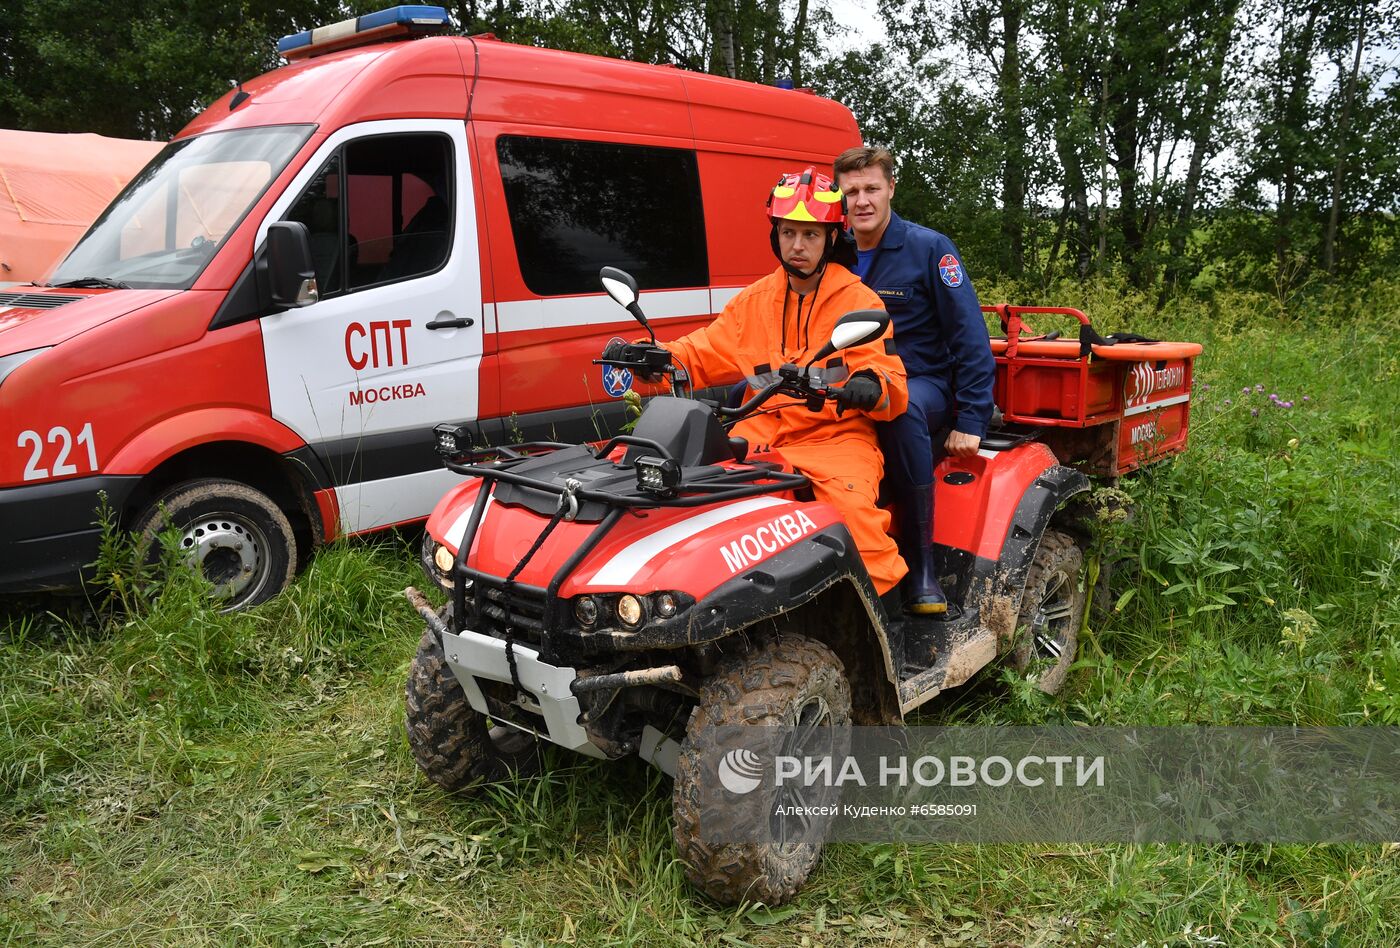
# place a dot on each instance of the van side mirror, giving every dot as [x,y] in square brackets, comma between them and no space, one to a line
[291,276]
[856,328]
[622,287]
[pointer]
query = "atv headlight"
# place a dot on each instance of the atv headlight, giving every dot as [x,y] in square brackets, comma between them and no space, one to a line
[586,610]
[666,605]
[630,610]
[437,561]
[444,559]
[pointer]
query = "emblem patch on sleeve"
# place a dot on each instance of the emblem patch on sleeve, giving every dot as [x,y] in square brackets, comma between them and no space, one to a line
[950,271]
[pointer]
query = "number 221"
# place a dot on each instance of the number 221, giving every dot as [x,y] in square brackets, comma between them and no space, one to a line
[57,436]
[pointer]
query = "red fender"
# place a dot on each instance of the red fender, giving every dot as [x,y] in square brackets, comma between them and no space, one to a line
[975,506]
[169,436]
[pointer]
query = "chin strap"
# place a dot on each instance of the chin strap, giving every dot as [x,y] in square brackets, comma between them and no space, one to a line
[799,329]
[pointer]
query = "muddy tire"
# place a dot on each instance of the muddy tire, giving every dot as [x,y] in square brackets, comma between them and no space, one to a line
[236,536]
[453,744]
[1052,610]
[789,680]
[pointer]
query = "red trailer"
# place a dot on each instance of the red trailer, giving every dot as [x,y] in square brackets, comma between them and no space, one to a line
[1106,406]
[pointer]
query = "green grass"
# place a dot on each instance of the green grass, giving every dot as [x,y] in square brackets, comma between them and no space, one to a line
[178,776]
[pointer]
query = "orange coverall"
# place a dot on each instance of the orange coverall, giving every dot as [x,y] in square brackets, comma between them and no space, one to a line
[767,325]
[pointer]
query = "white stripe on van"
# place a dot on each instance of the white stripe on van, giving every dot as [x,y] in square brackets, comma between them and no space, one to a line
[378,503]
[557,313]
[721,295]
[624,567]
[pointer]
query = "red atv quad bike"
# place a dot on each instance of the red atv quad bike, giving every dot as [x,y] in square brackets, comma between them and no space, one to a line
[634,597]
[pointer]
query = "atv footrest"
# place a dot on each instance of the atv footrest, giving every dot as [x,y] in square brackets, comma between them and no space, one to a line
[941,655]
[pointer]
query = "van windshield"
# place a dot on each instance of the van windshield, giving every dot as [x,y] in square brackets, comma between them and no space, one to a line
[166,225]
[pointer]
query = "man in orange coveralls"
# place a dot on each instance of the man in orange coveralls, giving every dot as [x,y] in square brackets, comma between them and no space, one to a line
[786,317]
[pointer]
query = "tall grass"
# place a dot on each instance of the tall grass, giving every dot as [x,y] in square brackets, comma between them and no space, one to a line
[172,775]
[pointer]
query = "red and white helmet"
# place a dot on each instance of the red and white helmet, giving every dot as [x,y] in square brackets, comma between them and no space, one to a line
[807,196]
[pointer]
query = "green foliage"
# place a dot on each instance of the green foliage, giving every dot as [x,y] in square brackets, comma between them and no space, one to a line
[122,571]
[136,70]
[946,167]
[1248,145]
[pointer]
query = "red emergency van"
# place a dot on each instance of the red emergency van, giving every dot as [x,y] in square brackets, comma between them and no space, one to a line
[394,230]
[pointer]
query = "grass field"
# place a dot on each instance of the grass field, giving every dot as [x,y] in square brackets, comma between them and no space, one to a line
[177,776]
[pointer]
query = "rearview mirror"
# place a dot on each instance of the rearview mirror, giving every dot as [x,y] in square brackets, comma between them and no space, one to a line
[856,328]
[291,276]
[623,289]
[620,286]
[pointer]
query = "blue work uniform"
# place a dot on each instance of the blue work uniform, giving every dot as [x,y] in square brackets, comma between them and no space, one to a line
[942,339]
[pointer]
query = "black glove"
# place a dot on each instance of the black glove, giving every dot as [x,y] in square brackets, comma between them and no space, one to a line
[616,351]
[644,359]
[862,391]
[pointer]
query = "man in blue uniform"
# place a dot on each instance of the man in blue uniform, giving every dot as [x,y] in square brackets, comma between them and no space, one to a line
[941,337]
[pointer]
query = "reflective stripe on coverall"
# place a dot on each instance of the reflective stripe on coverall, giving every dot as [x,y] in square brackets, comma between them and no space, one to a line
[840,455]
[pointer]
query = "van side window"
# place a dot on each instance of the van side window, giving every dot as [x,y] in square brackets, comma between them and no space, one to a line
[578,206]
[319,208]
[379,211]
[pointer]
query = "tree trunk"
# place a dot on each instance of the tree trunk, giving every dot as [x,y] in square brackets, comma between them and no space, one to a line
[1103,172]
[1125,103]
[1295,79]
[799,33]
[771,20]
[1075,95]
[1201,136]
[1334,213]
[724,37]
[1076,198]
[1055,243]
[1013,182]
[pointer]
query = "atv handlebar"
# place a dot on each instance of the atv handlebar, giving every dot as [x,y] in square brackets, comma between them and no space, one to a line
[792,380]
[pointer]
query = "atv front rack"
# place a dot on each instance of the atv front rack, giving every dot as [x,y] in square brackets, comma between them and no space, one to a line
[494,597]
[709,484]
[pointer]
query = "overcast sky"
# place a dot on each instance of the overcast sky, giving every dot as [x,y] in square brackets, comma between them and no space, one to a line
[862,18]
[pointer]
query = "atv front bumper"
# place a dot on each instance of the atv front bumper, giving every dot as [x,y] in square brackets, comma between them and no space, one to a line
[474,657]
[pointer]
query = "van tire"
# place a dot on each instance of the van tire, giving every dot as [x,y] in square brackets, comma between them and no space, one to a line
[774,685]
[1052,610]
[452,743]
[238,537]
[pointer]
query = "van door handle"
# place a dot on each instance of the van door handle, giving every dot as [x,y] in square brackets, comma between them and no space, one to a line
[451,322]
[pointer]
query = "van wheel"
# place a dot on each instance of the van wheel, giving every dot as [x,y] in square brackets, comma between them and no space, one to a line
[790,681]
[456,746]
[1052,610]
[237,537]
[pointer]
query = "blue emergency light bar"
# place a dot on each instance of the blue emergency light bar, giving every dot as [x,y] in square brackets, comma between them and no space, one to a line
[360,30]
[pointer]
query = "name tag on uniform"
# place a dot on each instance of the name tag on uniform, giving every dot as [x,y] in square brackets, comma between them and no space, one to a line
[894,292]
